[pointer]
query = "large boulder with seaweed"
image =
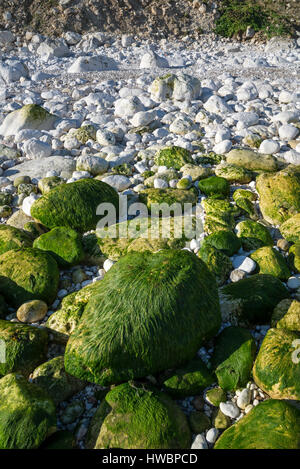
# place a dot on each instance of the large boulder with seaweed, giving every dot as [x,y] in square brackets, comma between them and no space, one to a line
[294,257]
[251,160]
[220,215]
[30,116]
[195,172]
[168,197]
[233,357]
[251,300]
[151,312]
[74,205]
[217,263]
[28,274]
[245,199]
[290,229]
[146,234]
[270,261]
[67,317]
[286,315]
[135,417]
[25,347]
[214,186]
[189,380]
[253,235]
[13,238]
[276,369]
[233,173]
[225,241]
[27,414]
[273,424]
[279,195]
[52,377]
[63,243]
[173,157]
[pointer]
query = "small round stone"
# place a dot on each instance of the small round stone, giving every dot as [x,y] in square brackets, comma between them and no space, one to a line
[32,311]
[212,435]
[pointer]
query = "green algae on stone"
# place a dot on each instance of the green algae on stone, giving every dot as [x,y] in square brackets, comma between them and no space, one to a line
[294,257]
[251,160]
[92,252]
[279,195]
[276,369]
[217,262]
[28,274]
[62,439]
[214,186]
[27,414]
[253,235]
[35,229]
[290,229]
[52,377]
[9,153]
[286,315]
[152,197]
[195,172]
[244,194]
[134,417]
[5,198]
[167,176]
[74,205]
[233,357]
[173,157]
[63,243]
[199,422]
[220,420]
[47,183]
[13,238]
[270,261]
[225,241]
[272,424]
[25,347]
[30,116]
[190,380]
[233,173]
[85,133]
[215,396]
[251,300]
[220,215]
[150,313]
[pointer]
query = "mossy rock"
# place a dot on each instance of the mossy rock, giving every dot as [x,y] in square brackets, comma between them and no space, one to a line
[248,207]
[272,424]
[225,241]
[5,198]
[253,235]
[51,376]
[290,229]
[233,173]
[199,422]
[27,189]
[270,261]
[143,297]
[215,396]
[35,229]
[279,195]
[92,252]
[125,169]
[134,417]
[294,257]
[196,172]
[63,243]
[28,274]
[251,300]
[167,176]
[13,238]
[62,439]
[214,186]
[286,315]
[67,317]
[220,215]
[145,234]
[217,262]
[173,157]
[251,160]
[168,197]
[27,414]
[233,357]
[276,369]
[25,347]
[244,194]
[219,420]
[46,184]
[85,133]
[30,116]
[189,380]
[9,153]
[74,205]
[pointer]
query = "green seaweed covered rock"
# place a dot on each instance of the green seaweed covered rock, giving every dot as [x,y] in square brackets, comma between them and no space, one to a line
[25,347]
[63,243]
[290,229]
[214,186]
[189,380]
[51,376]
[224,240]
[47,183]
[294,257]
[220,215]
[134,417]
[28,274]
[13,238]
[272,424]
[233,173]
[150,313]
[279,195]
[30,116]
[74,205]
[251,300]
[217,263]
[27,414]
[253,235]
[245,199]
[270,261]
[173,157]
[199,422]
[276,369]
[286,315]
[251,160]
[233,357]
[168,197]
